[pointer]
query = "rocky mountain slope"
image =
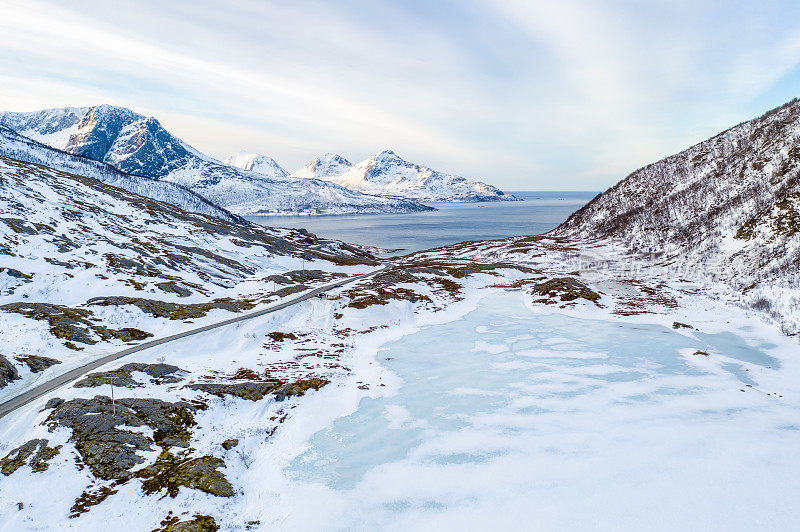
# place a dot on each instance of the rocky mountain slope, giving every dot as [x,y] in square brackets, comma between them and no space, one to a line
[387,174]
[139,145]
[327,166]
[256,163]
[727,208]
[18,147]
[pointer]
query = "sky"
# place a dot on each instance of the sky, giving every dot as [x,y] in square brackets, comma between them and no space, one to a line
[522,94]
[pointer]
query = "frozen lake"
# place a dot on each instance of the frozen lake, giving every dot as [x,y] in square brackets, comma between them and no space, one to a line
[451,223]
[507,418]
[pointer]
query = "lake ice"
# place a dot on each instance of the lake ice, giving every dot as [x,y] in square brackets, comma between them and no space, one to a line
[509,418]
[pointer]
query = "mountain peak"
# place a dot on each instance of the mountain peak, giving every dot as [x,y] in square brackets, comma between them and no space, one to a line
[255,162]
[327,167]
[333,157]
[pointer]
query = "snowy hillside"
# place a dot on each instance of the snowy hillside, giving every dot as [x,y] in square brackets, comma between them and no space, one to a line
[327,166]
[727,208]
[22,148]
[389,175]
[66,239]
[261,164]
[138,145]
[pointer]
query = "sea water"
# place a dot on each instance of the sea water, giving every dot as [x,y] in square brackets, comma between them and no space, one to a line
[506,418]
[450,223]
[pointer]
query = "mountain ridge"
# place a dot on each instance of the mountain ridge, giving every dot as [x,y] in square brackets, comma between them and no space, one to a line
[19,147]
[727,208]
[141,146]
[388,174]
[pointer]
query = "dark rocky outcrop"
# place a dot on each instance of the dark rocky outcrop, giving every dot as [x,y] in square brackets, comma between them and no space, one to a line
[171,472]
[252,391]
[175,311]
[566,289]
[38,363]
[110,451]
[200,523]
[53,402]
[122,376]
[257,390]
[37,449]
[230,443]
[8,372]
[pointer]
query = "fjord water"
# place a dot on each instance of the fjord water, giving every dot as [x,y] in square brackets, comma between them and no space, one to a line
[451,223]
[506,417]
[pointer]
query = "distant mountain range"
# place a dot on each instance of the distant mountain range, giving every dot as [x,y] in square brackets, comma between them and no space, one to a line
[386,174]
[140,146]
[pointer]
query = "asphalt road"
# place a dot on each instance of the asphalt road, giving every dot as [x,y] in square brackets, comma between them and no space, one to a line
[46,387]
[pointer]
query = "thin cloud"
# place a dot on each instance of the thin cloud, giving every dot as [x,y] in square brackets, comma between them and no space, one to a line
[520,94]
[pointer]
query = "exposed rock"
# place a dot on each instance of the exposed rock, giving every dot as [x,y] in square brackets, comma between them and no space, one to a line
[254,391]
[230,443]
[174,311]
[53,402]
[89,498]
[74,324]
[8,372]
[281,336]
[436,273]
[109,451]
[174,288]
[170,473]
[19,457]
[304,276]
[38,363]
[16,274]
[122,376]
[200,523]
[566,289]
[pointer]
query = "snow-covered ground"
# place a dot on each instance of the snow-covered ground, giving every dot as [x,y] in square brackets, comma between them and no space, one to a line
[462,394]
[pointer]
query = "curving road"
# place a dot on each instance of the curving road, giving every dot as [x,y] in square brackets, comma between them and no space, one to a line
[46,387]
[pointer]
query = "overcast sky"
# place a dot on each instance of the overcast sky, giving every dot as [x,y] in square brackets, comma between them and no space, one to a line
[523,94]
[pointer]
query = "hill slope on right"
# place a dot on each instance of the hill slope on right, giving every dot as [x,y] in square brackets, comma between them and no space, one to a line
[725,209]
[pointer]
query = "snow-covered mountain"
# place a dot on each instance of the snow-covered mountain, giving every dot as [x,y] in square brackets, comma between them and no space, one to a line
[256,163]
[139,145]
[387,174]
[18,147]
[327,166]
[727,208]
